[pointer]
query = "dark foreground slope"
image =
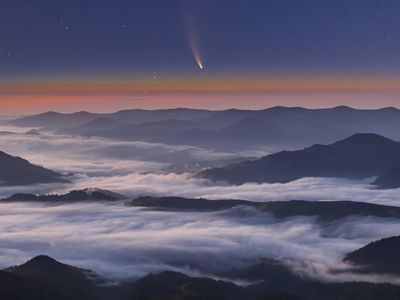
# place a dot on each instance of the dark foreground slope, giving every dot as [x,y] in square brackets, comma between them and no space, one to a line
[17,287]
[359,156]
[45,278]
[18,171]
[381,256]
[72,282]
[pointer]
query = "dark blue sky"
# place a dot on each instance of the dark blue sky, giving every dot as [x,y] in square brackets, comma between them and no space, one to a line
[55,37]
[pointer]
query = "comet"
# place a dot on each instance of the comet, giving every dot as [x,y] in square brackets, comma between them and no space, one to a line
[197,57]
[195,49]
[189,21]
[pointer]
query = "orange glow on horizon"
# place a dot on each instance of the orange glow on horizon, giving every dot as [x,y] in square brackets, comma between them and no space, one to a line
[217,92]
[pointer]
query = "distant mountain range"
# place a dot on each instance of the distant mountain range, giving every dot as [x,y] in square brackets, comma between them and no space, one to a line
[57,120]
[43,278]
[232,129]
[359,156]
[18,171]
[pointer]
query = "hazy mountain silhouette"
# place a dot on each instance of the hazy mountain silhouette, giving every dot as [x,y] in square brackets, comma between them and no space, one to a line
[150,131]
[232,129]
[55,121]
[359,156]
[18,171]
[100,123]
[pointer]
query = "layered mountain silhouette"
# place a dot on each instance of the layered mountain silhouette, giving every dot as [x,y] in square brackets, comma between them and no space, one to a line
[18,171]
[45,278]
[377,257]
[149,131]
[356,157]
[232,129]
[56,121]
[100,123]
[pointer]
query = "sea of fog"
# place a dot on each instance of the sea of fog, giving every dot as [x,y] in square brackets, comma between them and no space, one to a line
[138,168]
[120,241]
[127,242]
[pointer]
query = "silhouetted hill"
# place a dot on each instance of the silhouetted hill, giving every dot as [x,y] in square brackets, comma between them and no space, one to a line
[73,282]
[18,171]
[377,257]
[73,196]
[325,210]
[179,203]
[45,278]
[389,180]
[285,286]
[171,285]
[359,156]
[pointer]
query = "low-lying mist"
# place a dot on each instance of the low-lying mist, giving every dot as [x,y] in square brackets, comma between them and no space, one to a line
[136,168]
[124,242]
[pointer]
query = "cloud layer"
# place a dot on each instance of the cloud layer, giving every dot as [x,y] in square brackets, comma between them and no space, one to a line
[121,241]
[124,241]
[137,168]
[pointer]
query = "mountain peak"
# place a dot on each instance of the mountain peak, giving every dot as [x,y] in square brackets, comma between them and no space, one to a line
[40,263]
[41,260]
[360,139]
[343,108]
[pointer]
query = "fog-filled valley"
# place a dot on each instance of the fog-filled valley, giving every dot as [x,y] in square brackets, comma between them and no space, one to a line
[114,205]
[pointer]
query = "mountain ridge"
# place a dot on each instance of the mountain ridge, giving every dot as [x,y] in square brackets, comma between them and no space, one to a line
[356,157]
[275,127]
[11,168]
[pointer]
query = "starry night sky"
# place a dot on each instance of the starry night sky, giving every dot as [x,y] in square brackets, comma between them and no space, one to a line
[78,53]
